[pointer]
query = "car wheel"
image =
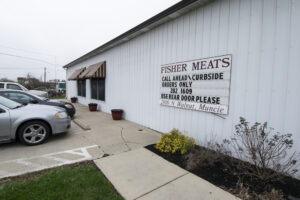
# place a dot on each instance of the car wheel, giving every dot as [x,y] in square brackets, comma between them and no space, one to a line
[34,133]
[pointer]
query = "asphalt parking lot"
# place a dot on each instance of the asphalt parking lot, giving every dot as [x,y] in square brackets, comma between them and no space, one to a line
[104,137]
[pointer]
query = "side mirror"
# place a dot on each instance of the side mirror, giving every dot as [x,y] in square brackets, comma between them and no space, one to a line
[33,101]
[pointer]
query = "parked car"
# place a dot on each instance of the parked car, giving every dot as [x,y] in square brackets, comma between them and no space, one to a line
[27,98]
[31,124]
[17,86]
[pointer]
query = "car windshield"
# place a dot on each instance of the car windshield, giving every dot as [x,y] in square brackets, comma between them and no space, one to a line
[9,103]
[40,98]
[24,88]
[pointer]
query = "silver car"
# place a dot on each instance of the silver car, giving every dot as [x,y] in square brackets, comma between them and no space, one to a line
[17,86]
[31,124]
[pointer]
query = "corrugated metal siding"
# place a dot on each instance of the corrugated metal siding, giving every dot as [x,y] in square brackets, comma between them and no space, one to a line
[263,38]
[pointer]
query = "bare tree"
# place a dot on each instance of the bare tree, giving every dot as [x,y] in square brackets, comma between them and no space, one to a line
[6,80]
[265,150]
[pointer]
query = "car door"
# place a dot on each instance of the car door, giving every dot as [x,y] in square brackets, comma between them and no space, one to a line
[5,125]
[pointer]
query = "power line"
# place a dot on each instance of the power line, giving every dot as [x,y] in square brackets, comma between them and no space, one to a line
[28,58]
[25,67]
[28,51]
[18,66]
[11,68]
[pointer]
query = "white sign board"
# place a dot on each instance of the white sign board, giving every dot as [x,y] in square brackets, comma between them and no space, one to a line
[201,85]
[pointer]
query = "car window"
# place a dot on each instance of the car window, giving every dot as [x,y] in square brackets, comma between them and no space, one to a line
[40,98]
[8,103]
[4,94]
[13,87]
[1,85]
[18,97]
[23,88]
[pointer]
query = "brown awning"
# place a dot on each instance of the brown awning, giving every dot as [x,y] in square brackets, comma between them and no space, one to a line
[97,70]
[76,74]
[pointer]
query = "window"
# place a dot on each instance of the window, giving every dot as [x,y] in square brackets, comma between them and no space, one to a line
[17,97]
[81,88]
[1,85]
[98,88]
[13,87]
[8,103]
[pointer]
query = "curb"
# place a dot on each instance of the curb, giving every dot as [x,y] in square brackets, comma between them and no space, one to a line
[82,125]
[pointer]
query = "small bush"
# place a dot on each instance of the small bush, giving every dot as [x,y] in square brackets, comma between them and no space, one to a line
[265,150]
[272,195]
[175,142]
[202,158]
[244,193]
[210,153]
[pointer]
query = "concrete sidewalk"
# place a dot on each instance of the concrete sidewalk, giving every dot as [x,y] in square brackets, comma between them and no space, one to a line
[112,136]
[141,174]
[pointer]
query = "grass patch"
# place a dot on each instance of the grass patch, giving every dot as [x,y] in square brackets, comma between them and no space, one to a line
[58,97]
[79,182]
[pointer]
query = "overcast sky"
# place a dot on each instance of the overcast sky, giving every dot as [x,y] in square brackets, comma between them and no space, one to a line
[44,33]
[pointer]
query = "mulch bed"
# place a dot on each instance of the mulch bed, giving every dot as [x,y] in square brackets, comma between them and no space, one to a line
[223,173]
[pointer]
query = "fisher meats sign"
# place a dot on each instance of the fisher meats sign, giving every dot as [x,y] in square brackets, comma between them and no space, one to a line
[201,85]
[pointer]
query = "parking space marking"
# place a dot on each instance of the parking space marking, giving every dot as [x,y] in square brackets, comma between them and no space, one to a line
[62,160]
[23,162]
[84,152]
[29,166]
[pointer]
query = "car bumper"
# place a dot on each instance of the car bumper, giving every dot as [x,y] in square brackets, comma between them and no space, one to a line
[61,125]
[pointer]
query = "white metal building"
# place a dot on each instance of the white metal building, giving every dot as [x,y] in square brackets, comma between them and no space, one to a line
[259,39]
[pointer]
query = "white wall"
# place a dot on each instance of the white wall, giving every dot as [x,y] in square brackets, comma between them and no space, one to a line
[264,40]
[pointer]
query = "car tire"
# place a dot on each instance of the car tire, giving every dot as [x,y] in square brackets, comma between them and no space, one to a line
[34,133]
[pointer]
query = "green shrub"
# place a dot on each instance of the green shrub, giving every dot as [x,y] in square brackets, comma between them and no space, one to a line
[175,142]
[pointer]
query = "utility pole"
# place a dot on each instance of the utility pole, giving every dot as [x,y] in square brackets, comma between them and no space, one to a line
[45,74]
[55,67]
